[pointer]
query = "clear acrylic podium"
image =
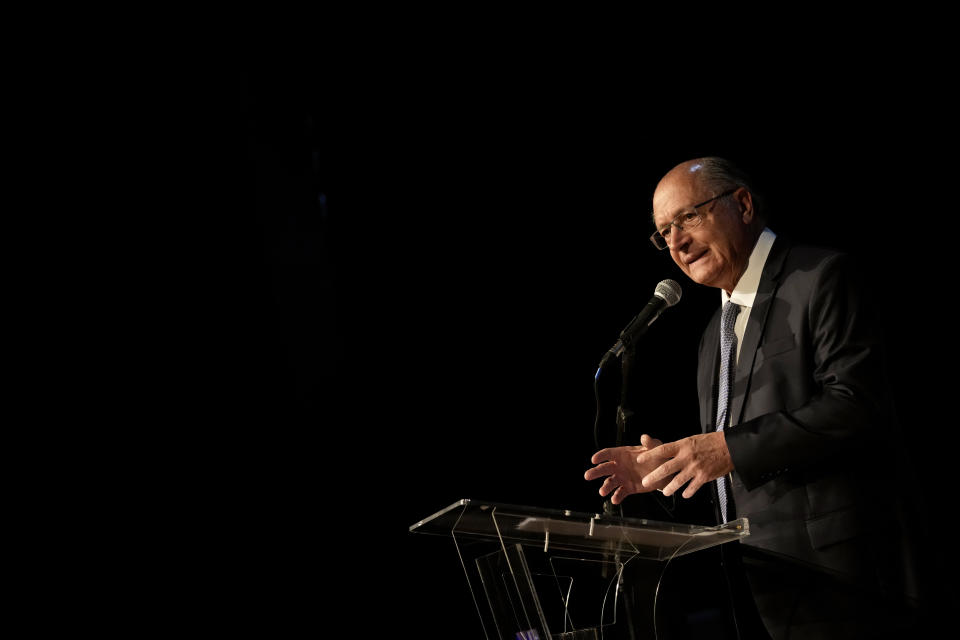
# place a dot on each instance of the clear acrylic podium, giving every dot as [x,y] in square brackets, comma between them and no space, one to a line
[542,574]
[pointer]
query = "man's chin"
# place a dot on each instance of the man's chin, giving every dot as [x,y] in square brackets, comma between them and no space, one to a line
[701,275]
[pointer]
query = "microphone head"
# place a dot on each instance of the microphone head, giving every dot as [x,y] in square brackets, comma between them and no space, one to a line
[669,291]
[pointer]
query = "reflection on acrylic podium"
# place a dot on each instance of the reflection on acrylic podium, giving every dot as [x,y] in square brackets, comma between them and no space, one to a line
[542,574]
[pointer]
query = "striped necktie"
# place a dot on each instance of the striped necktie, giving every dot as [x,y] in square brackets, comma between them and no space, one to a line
[728,351]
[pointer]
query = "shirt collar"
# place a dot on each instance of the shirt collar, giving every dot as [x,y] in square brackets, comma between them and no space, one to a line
[746,289]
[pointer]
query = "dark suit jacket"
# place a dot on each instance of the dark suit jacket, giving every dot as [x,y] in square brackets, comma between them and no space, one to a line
[812,426]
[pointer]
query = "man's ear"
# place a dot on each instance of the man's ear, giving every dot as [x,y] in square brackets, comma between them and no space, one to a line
[744,200]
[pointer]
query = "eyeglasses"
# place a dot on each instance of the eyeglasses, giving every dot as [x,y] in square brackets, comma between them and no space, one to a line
[685,220]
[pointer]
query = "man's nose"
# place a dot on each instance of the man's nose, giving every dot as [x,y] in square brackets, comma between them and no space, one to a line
[679,238]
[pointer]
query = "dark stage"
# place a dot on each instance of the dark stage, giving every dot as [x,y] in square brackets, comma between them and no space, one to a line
[440,261]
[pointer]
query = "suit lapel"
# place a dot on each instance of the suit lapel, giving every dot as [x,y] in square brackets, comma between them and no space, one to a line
[755,324]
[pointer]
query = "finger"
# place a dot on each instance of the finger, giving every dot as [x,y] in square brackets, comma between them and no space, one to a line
[601,456]
[605,469]
[649,441]
[692,488]
[674,485]
[661,452]
[609,485]
[665,470]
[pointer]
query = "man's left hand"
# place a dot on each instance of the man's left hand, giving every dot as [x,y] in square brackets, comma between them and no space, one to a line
[695,460]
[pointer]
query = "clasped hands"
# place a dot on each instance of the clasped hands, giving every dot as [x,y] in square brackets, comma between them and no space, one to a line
[691,461]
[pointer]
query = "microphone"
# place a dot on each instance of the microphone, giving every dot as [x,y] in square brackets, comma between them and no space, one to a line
[666,295]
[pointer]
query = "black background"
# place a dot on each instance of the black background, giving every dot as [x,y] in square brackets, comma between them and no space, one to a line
[439,247]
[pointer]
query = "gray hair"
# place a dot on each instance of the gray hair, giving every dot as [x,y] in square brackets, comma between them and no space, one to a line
[720,174]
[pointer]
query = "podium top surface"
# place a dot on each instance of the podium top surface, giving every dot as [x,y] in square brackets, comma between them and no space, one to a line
[576,531]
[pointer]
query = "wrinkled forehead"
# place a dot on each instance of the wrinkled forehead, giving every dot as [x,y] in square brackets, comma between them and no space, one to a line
[676,193]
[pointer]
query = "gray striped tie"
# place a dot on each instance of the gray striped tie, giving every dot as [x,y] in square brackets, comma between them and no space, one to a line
[728,350]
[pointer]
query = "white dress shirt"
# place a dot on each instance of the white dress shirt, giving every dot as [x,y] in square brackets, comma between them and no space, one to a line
[746,290]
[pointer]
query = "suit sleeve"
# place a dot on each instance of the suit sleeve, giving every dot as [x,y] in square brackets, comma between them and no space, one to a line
[841,383]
